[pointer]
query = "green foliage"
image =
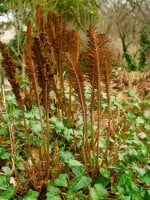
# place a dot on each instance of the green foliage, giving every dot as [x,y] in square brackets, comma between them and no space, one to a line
[31,194]
[80,12]
[8,194]
[3,9]
[131,64]
[98,192]
[145,37]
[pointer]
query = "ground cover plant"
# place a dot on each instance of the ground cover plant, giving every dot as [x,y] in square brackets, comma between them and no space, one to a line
[65,133]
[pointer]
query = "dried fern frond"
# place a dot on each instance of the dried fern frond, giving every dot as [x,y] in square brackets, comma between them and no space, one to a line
[10,67]
[74,67]
[98,57]
[40,19]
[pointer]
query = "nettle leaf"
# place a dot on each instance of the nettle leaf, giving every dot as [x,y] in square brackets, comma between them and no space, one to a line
[31,194]
[7,170]
[98,192]
[8,194]
[61,181]
[80,183]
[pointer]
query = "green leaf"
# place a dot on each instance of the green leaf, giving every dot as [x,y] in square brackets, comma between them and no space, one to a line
[131,116]
[31,194]
[125,179]
[73,162]
[80,183]
[36,128]
[51,188]
[8,194]
[3,131]
[146,178]
[70,195]
[7,170]
[140,120]
[52,196]
[147,114]
[122,197]
[67,122]
[61,181]
[78,170]
[131,93]
[66,156]
[142,135]
[52,192]
[105,173]
[93,194]
[147,127]
[4,181]
[98,192]
[3,154]
[139,170]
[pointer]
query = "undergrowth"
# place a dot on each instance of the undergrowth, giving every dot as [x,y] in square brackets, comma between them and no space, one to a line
[65,134]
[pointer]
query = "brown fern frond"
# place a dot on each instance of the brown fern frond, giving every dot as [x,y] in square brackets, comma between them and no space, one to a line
[40,19]
[94,56]
[10,67]
[76,79]
[29,33]
[74,67]
[98,66]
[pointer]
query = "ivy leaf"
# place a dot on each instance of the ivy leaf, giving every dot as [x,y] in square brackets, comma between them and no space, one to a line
[61,181]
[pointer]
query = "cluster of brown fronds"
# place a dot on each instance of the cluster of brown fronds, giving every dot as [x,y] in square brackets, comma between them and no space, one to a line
[139,81]
[52,53]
